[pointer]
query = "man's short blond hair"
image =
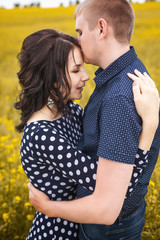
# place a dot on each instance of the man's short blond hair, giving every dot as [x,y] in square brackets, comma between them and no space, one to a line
[118,13]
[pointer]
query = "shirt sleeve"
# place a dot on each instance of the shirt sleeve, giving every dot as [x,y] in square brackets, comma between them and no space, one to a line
[52,149]
[120,128]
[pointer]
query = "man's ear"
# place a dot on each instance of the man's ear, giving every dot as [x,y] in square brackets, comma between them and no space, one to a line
[103,28]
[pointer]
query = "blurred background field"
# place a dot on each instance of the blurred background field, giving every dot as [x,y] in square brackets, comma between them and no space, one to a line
[16,213]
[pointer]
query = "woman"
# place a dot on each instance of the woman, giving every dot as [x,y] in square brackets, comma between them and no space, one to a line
[52,75]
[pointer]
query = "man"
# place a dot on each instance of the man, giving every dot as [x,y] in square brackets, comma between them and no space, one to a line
[104,31]
[111,124]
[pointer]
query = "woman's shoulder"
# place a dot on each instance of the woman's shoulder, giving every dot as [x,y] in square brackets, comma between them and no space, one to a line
[76,109]
[39,131]
[38,126]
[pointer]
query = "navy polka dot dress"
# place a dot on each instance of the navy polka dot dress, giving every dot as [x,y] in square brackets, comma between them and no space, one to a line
[54,165]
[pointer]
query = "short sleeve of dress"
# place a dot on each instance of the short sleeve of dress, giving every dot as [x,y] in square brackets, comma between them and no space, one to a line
[141,162]
[119,127]
[49,147]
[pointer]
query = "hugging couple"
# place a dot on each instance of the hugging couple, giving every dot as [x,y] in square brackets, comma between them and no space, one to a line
[88,170]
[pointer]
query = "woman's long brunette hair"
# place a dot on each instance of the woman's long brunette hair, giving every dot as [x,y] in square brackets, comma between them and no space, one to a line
[43,64]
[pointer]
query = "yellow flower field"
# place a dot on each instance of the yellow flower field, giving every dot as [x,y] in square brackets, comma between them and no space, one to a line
[16,212]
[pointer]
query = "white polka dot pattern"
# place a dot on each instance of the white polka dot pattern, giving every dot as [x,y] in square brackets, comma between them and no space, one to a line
[54,165]
[140,164]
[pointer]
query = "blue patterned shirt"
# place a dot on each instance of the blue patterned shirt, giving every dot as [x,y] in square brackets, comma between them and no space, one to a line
[111,125]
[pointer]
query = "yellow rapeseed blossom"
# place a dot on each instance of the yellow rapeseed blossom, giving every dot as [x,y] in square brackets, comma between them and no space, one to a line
[4,205]
[151,183]
[13,171]
[20,169]
[5,217]
[2,145]
[2,164]
[9,147]
[29,217]
[15,141]
[12,181]
[17,199]
[1,177]
[27,205]
[10,159]
[4,138]
[155,191]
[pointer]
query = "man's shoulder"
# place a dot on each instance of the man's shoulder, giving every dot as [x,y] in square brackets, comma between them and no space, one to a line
[139,65]
[121,84]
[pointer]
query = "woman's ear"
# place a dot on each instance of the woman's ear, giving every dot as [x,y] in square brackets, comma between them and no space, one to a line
[103,28]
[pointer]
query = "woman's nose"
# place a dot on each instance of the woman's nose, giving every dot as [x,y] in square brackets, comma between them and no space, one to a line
[85,77]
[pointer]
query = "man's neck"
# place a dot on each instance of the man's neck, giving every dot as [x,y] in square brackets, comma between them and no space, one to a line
[111,53]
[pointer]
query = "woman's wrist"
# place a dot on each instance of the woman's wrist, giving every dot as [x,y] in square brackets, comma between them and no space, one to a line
[47,208]
[50,209]
[151,124]
[147,135]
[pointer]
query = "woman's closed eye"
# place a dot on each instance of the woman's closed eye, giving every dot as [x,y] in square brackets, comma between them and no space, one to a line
[76,68]
[76,71]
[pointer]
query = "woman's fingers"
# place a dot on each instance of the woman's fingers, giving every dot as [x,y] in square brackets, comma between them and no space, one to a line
[133,77]
[136,91]
[32,192]
[33,189]
[144,81]
[149,79]
[145,78]
[30,186]
[137,80]
[35,194]
[140,75]
[38,199]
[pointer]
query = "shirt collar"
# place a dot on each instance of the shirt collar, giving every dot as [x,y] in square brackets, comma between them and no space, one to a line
[102,76]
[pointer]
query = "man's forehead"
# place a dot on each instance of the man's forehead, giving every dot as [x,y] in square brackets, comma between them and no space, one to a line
[80,21]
